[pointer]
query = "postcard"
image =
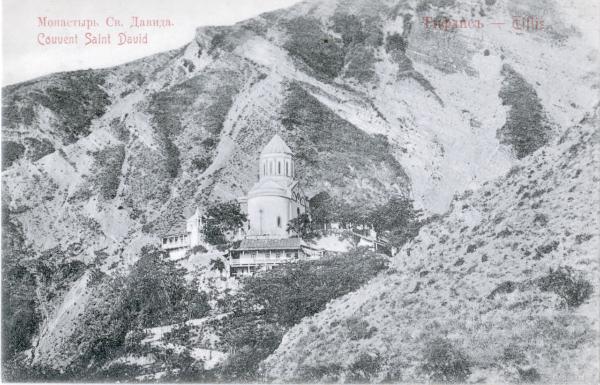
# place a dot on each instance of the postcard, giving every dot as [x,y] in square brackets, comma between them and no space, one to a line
[284,191]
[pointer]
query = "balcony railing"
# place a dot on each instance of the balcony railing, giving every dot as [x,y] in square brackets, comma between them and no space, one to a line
[273,261]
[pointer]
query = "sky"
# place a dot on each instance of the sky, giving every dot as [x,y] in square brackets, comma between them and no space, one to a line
[29,49]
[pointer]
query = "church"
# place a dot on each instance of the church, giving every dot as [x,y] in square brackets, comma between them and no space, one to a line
[277,197]
[270,205]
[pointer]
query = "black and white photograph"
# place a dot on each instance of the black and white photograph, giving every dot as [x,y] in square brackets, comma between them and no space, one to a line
[300,192]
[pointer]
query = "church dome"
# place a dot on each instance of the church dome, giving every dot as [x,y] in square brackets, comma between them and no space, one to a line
[276,146]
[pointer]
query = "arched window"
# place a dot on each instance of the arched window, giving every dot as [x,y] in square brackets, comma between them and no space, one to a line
[278,221]
[278,168]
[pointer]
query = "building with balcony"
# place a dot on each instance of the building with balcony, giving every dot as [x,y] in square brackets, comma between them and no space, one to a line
[183,236]
[255,254]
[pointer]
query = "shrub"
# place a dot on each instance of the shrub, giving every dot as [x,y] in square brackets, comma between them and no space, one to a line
[526,128]
[270,303]
[363,369]
[361,64]
[11,151]
[320,374]
[359,329]
[573,290]
[311,283]
[171,153]
[330,151]
[395,42]
[443,362]
[201,163]
[106,170]
[154,293]
[541,219]
[529,375]
[504,287]
[198,249]
[20,311]
[317,49]
[514,354]
[76,98]
[37,149]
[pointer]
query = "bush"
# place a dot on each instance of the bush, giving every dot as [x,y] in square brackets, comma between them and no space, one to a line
[11,151]
[311,283]
[198,249]
[154,293]
[395,42]
[504,288]
[201,163]
[317,49]
[20,312]
[76,98]
[363,369]
[270,303]
[361,64]
[359,329]
[526,128]
[106,170]
[573,290]
[442,362]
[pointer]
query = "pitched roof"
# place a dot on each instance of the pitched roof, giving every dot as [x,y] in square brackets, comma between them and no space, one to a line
[271,244]
[178,228]
[276,146]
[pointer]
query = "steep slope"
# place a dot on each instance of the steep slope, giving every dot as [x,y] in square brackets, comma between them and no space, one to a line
[97,163]
[503,288]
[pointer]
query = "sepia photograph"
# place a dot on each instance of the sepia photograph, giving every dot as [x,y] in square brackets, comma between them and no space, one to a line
[300,192]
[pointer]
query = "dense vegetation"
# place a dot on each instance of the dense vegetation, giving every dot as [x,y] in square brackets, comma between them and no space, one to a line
[397,219]
[527,127]
[221,219]
[154,293]
[75,98]
[272,302]
[106,170]
[326,54]
[319,50]
[329,149]
[11,151]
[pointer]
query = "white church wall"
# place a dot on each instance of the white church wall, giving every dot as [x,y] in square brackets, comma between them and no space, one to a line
[263,212]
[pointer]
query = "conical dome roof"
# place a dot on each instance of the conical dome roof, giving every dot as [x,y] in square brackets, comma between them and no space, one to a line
[276,146]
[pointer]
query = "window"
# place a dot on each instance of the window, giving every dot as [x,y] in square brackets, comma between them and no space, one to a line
[298,210]
[278,221]
[264,169]
[287,166]
[278,168]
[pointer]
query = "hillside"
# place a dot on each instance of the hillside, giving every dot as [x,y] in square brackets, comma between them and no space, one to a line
[98,163]
[503,288]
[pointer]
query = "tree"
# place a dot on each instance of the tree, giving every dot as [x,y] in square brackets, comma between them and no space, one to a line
[397,219]
[322,208]
[269,303]
[222,218]
[302,226]
[217,264]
